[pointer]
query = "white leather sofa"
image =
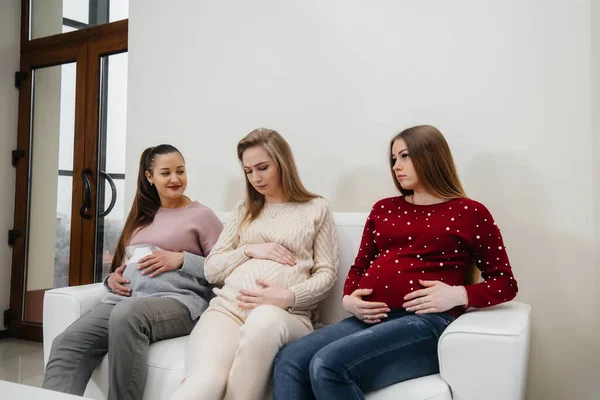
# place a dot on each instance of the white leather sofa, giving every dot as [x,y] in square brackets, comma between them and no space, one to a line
[483,354]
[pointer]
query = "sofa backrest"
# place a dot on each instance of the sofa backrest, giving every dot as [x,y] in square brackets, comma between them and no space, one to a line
[349,232]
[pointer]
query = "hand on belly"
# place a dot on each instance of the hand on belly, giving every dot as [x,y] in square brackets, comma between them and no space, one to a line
[271,251]
[267,293]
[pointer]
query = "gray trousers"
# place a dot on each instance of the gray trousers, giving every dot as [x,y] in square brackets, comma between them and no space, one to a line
[125,331]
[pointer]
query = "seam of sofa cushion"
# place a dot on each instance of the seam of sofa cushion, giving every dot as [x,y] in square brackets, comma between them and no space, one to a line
[164,368]
[436,395]
[447,389]
[462,331]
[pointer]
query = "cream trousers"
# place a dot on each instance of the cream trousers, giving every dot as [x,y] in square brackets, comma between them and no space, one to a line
[233,359]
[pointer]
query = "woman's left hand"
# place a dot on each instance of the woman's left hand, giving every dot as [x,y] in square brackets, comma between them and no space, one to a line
[268,293]
[435,298]
[160,261]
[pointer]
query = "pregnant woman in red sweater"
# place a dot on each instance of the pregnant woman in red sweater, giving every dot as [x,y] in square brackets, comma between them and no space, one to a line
[408,282]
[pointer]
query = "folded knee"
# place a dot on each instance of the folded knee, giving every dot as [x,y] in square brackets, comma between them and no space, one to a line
[315,368]
[323,366]
[265,322]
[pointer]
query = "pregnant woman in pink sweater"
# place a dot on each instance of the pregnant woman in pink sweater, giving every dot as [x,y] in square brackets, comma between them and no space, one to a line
[157,290]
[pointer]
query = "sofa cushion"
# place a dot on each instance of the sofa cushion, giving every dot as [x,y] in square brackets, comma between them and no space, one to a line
[430,387]
[349,232]
[165,371]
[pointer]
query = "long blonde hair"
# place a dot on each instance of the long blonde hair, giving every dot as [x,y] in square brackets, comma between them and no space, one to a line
[281,152]
[433,162]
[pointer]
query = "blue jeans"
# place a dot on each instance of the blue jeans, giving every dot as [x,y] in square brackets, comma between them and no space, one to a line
[349,358]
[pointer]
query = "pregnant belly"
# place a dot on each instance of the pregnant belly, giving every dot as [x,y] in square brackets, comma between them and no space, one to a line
[245,276]
[167,281]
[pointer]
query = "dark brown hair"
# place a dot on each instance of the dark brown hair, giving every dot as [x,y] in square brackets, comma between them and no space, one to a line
[282,154]
[433,162]
[145,203]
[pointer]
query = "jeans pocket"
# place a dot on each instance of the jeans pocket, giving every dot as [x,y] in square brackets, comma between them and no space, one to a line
[448,318]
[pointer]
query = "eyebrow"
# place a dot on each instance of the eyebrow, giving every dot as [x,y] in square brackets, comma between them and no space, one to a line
[257,164]
[166,168]
[400,152]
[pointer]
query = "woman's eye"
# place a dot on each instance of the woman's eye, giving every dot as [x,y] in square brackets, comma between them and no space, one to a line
[405,155]
[247,172]
[181,172]
[164,173]
[263,168]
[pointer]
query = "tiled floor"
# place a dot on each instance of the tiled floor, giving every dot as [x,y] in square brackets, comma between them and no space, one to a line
[21,362]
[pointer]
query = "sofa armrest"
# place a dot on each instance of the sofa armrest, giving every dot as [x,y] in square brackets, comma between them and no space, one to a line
[484,353]
[64,306]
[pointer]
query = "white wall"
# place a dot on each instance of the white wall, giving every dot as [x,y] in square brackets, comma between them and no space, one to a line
[595,32]
[10,17]
[594,276]
[508,82]
[46,17]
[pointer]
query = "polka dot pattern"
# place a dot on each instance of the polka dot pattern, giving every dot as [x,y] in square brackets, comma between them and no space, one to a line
[438,242]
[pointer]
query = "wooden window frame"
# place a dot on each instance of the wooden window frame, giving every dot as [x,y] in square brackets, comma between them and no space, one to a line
[86,47]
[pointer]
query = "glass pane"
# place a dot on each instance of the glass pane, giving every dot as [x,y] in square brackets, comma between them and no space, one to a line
[48,16]
[53,129]
[113,115]
[76,10]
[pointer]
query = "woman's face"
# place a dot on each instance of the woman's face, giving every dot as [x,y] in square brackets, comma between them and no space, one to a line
[403,166]
[168,176]
[262,172]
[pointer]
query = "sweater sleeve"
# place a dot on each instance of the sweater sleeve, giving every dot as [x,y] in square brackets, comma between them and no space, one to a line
[210,230]
[105,282]
[367,253]
[499,284]
[226,256]
[193,265]
[326,260]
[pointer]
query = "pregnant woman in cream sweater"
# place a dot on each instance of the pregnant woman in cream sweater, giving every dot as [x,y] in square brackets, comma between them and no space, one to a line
[277,259]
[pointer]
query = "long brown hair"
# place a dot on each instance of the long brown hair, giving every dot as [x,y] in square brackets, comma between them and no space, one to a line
[282,153]
[433,162]
[145,203]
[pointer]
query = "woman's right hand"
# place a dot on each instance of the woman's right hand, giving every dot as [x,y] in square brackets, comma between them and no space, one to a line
[370,312]
[116,282]
[271,251]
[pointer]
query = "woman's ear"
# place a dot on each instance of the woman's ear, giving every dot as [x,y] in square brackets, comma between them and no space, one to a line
[149,177]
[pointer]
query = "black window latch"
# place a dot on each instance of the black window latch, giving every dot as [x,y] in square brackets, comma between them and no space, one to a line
[16,154]
[13,235]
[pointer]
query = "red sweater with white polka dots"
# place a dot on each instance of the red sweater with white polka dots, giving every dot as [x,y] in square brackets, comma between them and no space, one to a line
[403,243]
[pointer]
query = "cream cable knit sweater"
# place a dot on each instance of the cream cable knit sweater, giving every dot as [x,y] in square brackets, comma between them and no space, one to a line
[306,229]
